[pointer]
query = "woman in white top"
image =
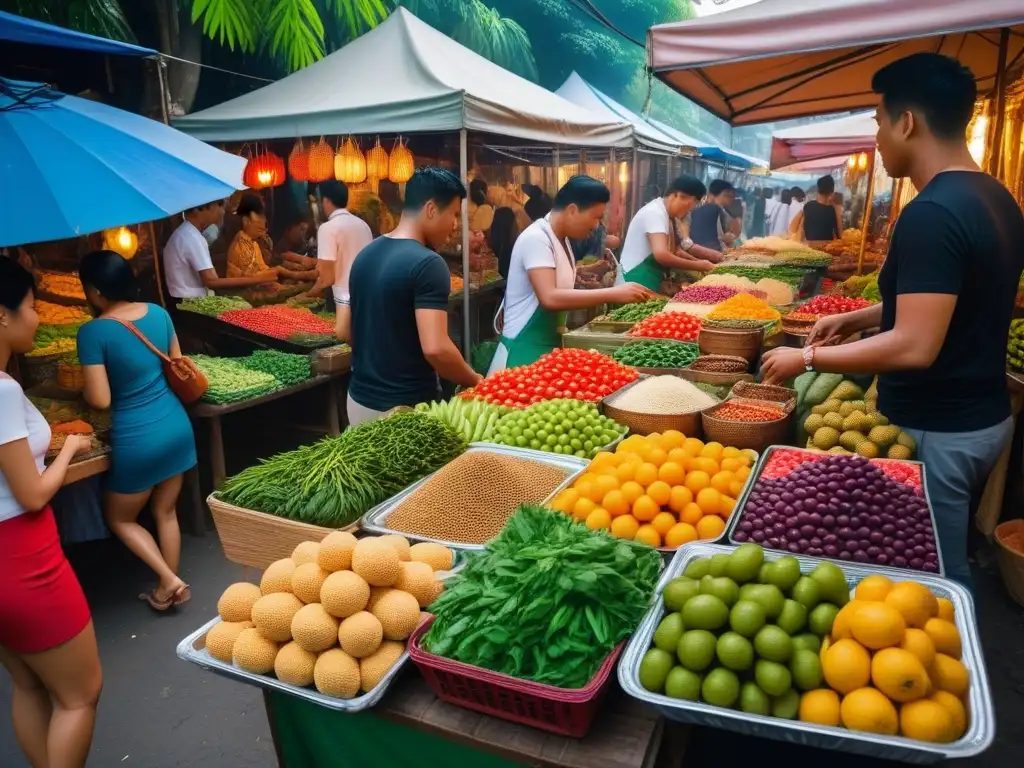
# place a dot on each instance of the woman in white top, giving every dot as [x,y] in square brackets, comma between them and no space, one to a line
[47,642]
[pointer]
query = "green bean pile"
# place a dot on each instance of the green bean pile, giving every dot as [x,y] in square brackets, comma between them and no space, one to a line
[634,313]
[213,305]
[661,353]
[230,381]
[336,480]
[307,339]
[288,369]
[790,275]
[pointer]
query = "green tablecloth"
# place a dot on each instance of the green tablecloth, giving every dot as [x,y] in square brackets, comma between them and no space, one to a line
[310,736]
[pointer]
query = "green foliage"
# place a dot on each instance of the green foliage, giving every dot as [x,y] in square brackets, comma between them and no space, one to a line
[104,18]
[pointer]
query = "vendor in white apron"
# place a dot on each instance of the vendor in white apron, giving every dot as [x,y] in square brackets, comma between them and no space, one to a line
[651,247]
[542,276]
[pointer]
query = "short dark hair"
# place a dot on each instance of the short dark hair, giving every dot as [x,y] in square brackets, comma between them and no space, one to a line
[767,193]
[110,274]
[798,194]
[336,192]
[718,186]
[250,204]
[940,88]
[15,283]
[478,191]
[826,185]
[582,191]
[219,202]
[687,185]
[432,183]
[786,196]
[538,206]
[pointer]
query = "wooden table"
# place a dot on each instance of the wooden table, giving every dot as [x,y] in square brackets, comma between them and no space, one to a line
[80,470]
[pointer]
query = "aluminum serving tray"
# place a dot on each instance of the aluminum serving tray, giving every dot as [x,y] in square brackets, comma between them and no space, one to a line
[376,520]
[981,728]
[741,502]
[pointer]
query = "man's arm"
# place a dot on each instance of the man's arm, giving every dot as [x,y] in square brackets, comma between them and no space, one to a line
[213,282]
[797,224]
[440,351]
[661,250]
[324,277]
[554,299]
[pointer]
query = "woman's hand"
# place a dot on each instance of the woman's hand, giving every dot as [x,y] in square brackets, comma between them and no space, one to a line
[827,328]
[77,444]
[630,293]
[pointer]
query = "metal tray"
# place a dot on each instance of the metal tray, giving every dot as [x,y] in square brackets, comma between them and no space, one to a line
[375,521]
[981,729]
[755,475]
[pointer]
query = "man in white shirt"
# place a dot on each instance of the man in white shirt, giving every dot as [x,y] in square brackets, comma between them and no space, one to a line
[188,268]
[339,241]
[795,206]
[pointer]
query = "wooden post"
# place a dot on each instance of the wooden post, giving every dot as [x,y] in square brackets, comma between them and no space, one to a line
[467,342]
[156,264]
[995,159]
[866,223]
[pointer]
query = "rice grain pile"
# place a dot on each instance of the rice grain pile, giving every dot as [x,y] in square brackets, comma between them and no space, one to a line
[470,499]
[777,292]
[699,310]
[663,395]
[733,281]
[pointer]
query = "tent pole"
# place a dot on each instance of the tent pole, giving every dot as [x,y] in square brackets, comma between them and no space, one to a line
[634,192]
[161,74]
[464,174]
[867,212]
[156,265]
[995,160]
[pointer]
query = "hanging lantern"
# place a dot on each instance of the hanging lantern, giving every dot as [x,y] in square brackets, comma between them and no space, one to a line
[377,162]
[349,163]
[321,161]
[121,241]
[851,162]
[401,165]
[298,162]
[862,162]
[264,170]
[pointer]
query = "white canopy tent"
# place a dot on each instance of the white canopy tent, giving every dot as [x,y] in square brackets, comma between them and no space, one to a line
[843,136]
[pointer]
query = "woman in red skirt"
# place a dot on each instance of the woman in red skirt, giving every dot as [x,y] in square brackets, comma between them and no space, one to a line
[47,642]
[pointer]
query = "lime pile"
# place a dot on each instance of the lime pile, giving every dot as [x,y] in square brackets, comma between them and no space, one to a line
[743,633]
[570,427]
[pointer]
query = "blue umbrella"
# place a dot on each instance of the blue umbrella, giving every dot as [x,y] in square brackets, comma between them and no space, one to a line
[71,166]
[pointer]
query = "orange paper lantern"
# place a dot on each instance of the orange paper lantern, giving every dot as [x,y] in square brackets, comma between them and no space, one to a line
[401,164]
[377,162]
[298,162]
[321,161]
[349,163]
[264,170]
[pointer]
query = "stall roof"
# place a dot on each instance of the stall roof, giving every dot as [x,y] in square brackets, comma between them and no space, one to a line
[781,59]
[404,77]
[842,136]
[713,152]
[18,29]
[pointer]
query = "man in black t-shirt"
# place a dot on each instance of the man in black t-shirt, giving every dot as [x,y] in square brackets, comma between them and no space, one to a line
[399,294]
[709,222]
[947,286]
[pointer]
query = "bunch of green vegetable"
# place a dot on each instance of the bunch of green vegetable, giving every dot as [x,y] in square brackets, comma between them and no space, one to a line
[213,305]
[803,258]
[230,381]
[288,369]
[719,393]
[789,275]
[660,353]
[307,339]
[634,313]
[482,355]
[336,480]
[306,302]
[474,420]
[547,601]
[48,334]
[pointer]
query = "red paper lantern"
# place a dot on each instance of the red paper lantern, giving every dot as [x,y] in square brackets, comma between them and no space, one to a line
[298,162]
[264,170]
[321,162]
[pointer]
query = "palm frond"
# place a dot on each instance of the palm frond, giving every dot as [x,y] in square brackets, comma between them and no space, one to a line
[231,22]
[295,32]
[498,38]
[357,16]
[104,18]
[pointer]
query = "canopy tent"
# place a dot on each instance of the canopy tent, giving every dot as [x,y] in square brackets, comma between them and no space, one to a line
[75,166]
[842,136]
[711,152]
[819,165]
[404,77]
[782,59]
[18,29]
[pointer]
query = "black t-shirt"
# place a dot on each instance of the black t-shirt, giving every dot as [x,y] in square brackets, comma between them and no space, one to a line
[391,278]
[819,221]
[962,235]
[704,224]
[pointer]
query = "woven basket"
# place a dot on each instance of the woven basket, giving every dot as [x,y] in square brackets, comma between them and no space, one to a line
[718,379]
[720,364]
[1010,539]
[256,539]
[332,360]
[757,435]
[70,376]
[646,423]
[739,343]
[39,369]
[750,391]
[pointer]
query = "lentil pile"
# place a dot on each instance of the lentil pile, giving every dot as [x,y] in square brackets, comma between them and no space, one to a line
[668,395]
[470,499]
[733,411]
[743,306]
[719,364]
[705,294]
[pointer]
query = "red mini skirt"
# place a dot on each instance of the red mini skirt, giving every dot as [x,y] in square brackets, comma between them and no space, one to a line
[41,602]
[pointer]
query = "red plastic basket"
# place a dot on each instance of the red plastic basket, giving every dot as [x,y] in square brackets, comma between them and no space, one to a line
[567,712]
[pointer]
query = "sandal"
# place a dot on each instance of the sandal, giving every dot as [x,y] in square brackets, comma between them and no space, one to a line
[182,595]
[155,602]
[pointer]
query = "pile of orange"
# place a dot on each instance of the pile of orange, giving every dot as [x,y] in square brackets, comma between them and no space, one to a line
[664,489]
[892,665]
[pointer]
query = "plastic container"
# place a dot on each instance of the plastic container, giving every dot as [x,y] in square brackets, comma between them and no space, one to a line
[564,711]
[981,725]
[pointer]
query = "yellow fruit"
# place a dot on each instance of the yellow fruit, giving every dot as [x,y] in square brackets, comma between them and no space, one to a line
[336,551]
[625,527]
[373,668]
[868,710]
[631,491]
[235,605]
[899,674]
[588,490]
[821,707]
[646,474]
[582,508]
[614,502]
[606,484]
[692,446]
[945,610]
[679,498]
[272,615]
[956,709]
[360,634]
[336,674]
[697,481]
[915,601]
[376,594]
[220,640]
[949,674]
[846,666]
[419,581]
[691,514]
[710,527]
[343,594]
[842,624]
[306,552]
[437,556]
[376,562]
[679,534]
[945,636]
[927,720]
[278,577]
[626,471]
[709,500]
[307,579]
[657,456]
[672,438]
[400,544]
[663,522]
[646,534]
[253,652]
[672,473]
[398,614]
[707,466]
[722,481]
[877,625]
[874,588]
[599,519]
[294,665]
[645,508]
[918,643]
[661,492]
[566,500]
[314,629]
[826,642]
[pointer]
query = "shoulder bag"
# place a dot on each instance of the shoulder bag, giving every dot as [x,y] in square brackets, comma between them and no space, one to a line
[183,376]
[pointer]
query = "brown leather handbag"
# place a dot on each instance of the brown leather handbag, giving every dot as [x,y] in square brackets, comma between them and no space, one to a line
[183,375]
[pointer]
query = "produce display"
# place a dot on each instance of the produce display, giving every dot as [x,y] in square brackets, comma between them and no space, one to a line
[749,412]
[56,346]
[705,294]
[213,306]
[662,395]
[668,325]
[288,369]
[782,461]
[832,304]
[743,306]
[864,286]
[456,285]
[334,615]
[720,364]
[791,276]
[780,251]
[716,391]
[62,284]
[661,490]
[657,354]
[48,334]
[777,291]
[234,379]
[547,601]
[334,481]
[634,313]
[563,373]
[842,507]
[57,314]
[1015,346]
[278,321]
[470,499]
[728,279]
[569,427]
[475,420]
[697,310]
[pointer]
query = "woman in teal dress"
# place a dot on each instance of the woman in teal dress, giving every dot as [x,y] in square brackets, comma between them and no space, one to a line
[152,444]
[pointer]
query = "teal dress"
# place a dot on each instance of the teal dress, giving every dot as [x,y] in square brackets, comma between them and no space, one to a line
[151,435]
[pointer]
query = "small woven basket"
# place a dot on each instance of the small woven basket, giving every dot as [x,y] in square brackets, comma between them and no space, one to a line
[720,364]
[1010,539]
[717,379]
[647,423]
[723,341]
[757,435]
[70,376]
[750,391]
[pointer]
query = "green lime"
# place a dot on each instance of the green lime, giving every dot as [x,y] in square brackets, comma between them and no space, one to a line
[681,683]
[805,667]
[735,651]
[705,612]
[832,582]
[718,565]
[773,678]
[720,688]
[787,705]
[696,649]
[747,617]
[666,636]
[762,573]
[697,568]
[793,617]
[753,700]
[806,642]
[678,591]
[773,644]
[654,668]
[770,597]
[745,563]
[807,592]
[723,588]
[821,618]
[784,572]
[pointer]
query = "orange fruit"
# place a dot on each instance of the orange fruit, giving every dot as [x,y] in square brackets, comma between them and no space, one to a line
[920,644]
[710,527]
[663,523]
[645,508]
[677,456]
[868,710]
[653,440]
[731,453]
[692,446]
[915,601]
[927,720]
[646,474]
[587,476]
[950,675]
[709,500]
[749,454]
[679,534]
[736,488]
[713,450]
[820,706]
[710,466]
[721,481]
[616,504]
[660,491]
[647,535]
[955,707]
[605,470]
[697,481]
[727,504]
[841,625]
[945,636]
[730,465]
[588,489]
[671,473]
[945,610]
[632,491]
[899,674]
[672,439]
[874,587]
[599,518]
[877,625]
[566,500]
[846,666]
[603,458]
[625,527]
[680,497]
[582,508]
[658,456]
[626,471]
[742,474]
[691,514]
[606,483]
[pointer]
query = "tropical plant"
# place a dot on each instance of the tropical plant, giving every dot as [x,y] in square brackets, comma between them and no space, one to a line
[96,17]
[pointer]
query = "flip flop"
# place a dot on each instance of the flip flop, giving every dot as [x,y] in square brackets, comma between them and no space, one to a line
[182,595]
[156,603]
